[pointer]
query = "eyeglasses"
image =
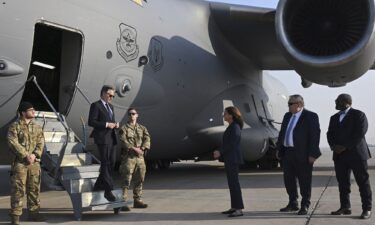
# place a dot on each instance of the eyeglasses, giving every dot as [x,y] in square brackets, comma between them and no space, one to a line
[111,96]
[32,109]
[292,103]
[132,114]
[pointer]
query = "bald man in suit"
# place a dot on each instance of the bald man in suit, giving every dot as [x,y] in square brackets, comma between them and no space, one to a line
[346,137]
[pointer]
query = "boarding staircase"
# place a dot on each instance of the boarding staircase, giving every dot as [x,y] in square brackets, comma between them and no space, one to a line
[68,166]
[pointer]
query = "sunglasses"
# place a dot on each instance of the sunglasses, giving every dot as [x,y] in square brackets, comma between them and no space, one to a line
[111,96]
[132,114]
[292,103]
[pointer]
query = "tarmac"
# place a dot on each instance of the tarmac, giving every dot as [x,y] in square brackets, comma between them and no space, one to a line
[196,193]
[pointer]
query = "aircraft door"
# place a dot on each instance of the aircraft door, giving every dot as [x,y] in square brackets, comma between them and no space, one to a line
[55,62]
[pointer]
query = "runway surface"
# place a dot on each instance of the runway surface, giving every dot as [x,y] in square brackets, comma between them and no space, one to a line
[196,193]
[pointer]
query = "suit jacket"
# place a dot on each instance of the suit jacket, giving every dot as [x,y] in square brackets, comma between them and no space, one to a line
[98,117]
[350,132]
[231,144]
[306,136]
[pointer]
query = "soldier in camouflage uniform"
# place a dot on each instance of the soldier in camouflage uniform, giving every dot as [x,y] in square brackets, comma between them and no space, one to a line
[26,142]
[135,141]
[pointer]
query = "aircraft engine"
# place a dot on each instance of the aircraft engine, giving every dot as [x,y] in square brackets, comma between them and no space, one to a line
[328,42]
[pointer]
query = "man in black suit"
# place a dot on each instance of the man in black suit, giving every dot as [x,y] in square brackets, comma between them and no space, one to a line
[102,119]
[346,137]
[298,148]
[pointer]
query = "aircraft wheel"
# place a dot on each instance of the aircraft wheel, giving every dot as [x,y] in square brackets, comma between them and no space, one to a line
[164,164]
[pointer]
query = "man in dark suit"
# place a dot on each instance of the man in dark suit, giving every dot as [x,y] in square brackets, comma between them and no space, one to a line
[298,148]
[346,137]
[102,119]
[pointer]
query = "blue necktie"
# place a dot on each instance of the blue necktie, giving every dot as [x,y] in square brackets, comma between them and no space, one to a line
[341,115]
[289,131]
[109,110]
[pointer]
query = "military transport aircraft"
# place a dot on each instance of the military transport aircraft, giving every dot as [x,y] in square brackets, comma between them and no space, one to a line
[179,62]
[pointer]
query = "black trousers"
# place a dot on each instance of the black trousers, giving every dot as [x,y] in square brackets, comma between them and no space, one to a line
[344,164]
[107,162]
[232,171]
[293,170]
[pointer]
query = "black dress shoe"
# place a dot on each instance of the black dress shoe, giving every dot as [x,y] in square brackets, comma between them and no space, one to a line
[289,208]
[109,196]
[302,211]
[229,211]
[366,214]
[342,211]
[237,212]
[125,208]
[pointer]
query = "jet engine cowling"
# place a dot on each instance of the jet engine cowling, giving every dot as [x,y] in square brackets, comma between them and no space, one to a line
[329,42]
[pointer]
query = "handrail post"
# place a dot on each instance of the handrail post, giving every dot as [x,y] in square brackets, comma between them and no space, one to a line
[62,151]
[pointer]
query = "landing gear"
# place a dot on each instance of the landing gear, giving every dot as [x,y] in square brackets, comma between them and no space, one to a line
[158,164]
[269,160]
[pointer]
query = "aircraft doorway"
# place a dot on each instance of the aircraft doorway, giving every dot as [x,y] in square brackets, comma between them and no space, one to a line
[55,62]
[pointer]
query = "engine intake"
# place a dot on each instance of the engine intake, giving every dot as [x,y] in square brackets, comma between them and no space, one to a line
[327,41]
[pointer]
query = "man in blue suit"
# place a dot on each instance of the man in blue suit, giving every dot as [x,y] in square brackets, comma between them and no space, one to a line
[298,148]
[346,137]
[102,119]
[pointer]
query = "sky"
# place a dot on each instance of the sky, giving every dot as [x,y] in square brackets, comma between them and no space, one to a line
[320,99]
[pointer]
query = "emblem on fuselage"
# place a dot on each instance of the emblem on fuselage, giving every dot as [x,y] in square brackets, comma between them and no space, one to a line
[127,43]
[155,54]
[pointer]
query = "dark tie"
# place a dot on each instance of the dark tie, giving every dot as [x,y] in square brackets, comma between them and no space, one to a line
[289,131]
[109,110]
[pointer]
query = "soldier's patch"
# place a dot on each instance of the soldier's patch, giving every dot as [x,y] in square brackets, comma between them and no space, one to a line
[11,135]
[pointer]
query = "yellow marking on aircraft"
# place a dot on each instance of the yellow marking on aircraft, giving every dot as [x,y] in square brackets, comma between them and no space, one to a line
[139,2]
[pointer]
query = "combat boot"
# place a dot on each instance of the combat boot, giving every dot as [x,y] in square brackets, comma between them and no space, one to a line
[36,217]
[14,220]
[139,204]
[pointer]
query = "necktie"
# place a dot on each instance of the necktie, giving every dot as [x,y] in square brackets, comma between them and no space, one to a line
[342,115]
[289,132]
[109,110]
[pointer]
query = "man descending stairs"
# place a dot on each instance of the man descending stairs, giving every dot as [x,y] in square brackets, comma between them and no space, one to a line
[66,162]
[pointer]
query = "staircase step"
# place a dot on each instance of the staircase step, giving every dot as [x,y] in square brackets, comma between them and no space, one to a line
[108,206]
[97,198]
[80,172]
[57,136]
[51,125]
[75,159]
[72,147]
[79,185]
[46,115]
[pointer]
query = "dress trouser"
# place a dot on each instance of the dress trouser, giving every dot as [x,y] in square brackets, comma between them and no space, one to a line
[232,171]
[107,161]
[344,164]
[293,170]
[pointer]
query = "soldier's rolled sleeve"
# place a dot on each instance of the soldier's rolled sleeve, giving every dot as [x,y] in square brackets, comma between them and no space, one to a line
[146,142]
[14,145]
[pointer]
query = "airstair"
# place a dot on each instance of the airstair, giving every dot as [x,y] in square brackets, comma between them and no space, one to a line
[66,165]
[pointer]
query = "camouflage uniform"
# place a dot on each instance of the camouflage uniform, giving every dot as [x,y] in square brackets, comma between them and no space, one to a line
[133,165]
[25,139]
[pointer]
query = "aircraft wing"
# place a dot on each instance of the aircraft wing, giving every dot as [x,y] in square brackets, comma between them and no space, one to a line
[251,31]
